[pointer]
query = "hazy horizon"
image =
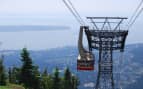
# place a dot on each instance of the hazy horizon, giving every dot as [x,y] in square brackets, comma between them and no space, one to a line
[55,13]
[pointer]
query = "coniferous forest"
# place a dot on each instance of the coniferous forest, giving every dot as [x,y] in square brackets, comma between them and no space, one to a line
[28,76]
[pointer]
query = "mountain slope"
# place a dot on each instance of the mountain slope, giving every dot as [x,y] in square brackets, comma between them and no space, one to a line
[131,65]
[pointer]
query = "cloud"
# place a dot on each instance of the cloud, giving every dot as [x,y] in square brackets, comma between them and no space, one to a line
[32,28]
[12,9]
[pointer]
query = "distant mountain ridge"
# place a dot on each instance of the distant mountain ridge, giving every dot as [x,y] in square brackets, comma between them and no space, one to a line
[132,66]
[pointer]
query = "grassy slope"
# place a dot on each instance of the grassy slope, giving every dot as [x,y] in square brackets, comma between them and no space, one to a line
[11,86]
[4,87]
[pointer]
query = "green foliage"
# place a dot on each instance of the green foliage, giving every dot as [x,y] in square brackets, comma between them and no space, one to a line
[14,75]
[2,73]
[10,75]
[67,79]
[46,80]
[75,82]
[45,73]
[26,75]
[4,87]
[12,86]
[29,75]
[56,79]
[36,78]
[70,81]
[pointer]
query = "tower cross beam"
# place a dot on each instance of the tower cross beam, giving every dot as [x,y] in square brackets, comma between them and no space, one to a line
[106,20]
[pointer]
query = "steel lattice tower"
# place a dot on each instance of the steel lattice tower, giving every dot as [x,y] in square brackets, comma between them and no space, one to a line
[106,39]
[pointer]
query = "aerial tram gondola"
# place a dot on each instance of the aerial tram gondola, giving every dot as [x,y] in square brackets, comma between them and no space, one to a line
[86,59]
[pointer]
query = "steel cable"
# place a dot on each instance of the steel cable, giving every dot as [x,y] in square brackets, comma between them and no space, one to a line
[74,12]
[135,15]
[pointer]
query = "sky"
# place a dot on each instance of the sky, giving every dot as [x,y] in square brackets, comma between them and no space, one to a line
[55,13]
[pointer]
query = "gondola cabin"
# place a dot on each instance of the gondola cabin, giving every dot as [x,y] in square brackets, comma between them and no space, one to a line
[85,60]
[85,64]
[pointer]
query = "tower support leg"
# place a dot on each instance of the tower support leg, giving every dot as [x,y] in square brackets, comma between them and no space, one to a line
[105,70]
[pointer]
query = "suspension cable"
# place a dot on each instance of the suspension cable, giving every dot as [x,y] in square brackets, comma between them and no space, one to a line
[135,12]
[138,14]
[74,12]
[135,15]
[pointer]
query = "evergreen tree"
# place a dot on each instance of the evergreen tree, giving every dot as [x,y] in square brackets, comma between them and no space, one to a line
[10,75]
[75,82]
[14,75]
[56,80]
[2,73]
[45,73]
[70,81]
[46,80]
[36,78]
[49,82]
[29,75]
[26,74]
[67,79]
